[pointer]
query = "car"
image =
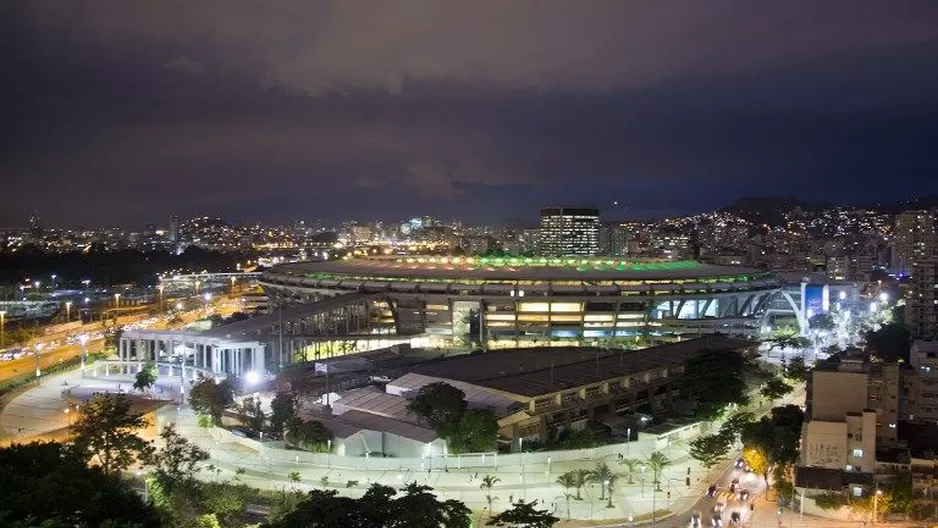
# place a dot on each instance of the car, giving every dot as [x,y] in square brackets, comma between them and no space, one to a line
[734,485]
[719,507]
[735,517]
[740,463]
[744,495]
[717,521]
[695,521]
[712,490]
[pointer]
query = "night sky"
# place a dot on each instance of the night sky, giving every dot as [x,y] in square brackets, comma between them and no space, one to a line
[124,112]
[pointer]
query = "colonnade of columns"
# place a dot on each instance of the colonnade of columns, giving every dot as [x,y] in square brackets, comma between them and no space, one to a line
[220,357]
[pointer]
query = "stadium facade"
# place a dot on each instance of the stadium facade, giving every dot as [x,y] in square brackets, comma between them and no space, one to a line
[540,298]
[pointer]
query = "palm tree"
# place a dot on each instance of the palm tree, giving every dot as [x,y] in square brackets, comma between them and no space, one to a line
[657,461]
[631,467]
[602,475]
[489,482]
[576,478]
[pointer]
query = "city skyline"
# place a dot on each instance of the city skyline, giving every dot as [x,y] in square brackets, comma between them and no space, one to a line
[126,116]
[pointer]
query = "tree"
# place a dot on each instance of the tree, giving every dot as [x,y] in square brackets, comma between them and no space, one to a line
[733,426]
[524,515]
[774,388]
[710,450]
[631,467]
[822,322]
[210,397]
[711,398]
[49,485]
[252,414]
[773,439]
[175,464]
[658,461]
[796,370]
[145,378]
[603,476]
[311,435]
[476,432]
[891,343]
[576,478]
[282,409]
[441,404]
[106,431]
[489,482]
[380,506]
[787,337]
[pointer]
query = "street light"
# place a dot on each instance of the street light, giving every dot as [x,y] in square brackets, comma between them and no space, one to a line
[876,497]
[68,311]
[628,441]
[146,487]
[68,415]
[38,349]
[117,300]
[233,279]
[83,339]
[160,289]
[3,316]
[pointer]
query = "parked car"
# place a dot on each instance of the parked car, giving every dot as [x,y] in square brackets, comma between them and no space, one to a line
[744,495]
[712,490]
[735,517]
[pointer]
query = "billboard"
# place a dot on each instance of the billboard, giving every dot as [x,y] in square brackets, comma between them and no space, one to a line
[817,300]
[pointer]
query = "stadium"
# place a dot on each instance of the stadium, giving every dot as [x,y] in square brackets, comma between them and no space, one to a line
[537,299]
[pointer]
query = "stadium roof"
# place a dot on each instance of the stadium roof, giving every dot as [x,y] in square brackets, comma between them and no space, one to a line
[513,269]
[533,372]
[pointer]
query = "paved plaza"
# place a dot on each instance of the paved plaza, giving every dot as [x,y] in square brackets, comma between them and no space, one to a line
[40,411]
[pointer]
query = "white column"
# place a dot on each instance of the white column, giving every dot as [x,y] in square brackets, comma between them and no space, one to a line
[258,359]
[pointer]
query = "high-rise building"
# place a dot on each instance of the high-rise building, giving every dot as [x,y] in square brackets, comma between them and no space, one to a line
[914,239]
[174,229]
[921,306]
[569,232]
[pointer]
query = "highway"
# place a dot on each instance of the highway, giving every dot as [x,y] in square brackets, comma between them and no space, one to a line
[26,365]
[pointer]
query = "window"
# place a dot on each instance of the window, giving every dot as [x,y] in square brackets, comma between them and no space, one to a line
[857,491]
[857,453]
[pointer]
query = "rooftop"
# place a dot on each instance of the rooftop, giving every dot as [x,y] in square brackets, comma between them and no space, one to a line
[535,371]
[515,268]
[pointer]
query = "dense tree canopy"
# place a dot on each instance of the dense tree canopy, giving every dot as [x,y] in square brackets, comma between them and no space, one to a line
[714,380]
[710,450]
[310,435]
[891,343]
[441,404]
[210,398]
[774,388]
[524,515]
[110,267]
[380,507]
[106,433]
[48,485]
[775,437]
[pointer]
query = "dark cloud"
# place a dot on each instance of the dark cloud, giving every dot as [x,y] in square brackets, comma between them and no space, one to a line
[128,111]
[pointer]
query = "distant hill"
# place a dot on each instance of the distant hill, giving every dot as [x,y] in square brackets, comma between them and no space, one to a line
[920,202]
[771,209]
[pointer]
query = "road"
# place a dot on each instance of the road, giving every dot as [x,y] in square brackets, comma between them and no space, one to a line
[26,365]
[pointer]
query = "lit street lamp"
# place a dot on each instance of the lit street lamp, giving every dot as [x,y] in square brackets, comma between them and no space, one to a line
[68,311]
[117,300]
[3,316]
[160,289]
[83,339]
[38,349]
[876,497]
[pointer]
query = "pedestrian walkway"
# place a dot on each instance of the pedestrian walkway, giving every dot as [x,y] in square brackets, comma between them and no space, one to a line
[41,410]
